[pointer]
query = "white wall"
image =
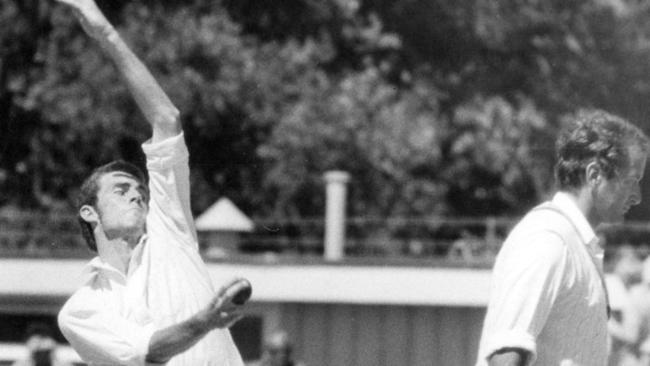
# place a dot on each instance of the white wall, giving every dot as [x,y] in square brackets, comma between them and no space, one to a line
[317,283]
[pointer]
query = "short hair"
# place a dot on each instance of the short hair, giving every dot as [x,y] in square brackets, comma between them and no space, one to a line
[38,328]
[595,136]
[90,188]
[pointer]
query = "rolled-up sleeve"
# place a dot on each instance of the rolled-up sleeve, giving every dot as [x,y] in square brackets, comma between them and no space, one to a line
[525,285]
[169,187]
[103,338]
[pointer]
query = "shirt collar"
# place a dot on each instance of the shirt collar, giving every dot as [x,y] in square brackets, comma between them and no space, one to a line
[568,206]
[97,265]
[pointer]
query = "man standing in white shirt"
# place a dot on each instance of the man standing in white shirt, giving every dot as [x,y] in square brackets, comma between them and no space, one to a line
[149,299]
[548,303]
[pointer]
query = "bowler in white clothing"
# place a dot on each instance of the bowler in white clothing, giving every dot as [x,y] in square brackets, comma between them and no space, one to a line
[548,302]
[149,298]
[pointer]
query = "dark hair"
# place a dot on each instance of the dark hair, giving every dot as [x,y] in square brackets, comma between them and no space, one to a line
[90,188]
[595,136]
[38,328]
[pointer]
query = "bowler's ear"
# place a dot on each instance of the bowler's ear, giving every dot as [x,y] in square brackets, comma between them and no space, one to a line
[88,214]
[594,174]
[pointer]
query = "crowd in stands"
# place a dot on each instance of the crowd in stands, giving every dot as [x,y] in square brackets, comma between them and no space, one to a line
[629,294]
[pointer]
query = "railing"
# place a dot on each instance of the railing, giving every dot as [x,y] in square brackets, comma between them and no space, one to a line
[36,234]
[39,234]
[453,239]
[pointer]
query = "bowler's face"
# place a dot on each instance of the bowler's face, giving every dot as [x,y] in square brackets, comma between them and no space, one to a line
[614,197]
[121,205]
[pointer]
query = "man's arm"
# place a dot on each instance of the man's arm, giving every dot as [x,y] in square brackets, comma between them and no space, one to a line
[101,336]
[159,112]
[527,279]
[221,313]
[151,99]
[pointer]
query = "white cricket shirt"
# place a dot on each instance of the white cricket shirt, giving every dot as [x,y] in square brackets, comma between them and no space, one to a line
[110,320]
[547,294]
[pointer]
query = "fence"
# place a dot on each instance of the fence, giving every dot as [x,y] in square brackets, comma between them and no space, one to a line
[464,239]
[39,234]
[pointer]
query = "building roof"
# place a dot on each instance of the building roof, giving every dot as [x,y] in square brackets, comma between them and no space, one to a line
[223,215]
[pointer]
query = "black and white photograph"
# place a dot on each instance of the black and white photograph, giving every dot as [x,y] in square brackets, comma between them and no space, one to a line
[324,183]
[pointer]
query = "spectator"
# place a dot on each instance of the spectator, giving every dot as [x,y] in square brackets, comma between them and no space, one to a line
[624,324]
[41,347]
[640,304]
[277,351]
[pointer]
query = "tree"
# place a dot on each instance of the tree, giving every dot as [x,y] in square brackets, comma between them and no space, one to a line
[429,104]
[230,90]
[362,124]
[22,25]
[405,157]
[500,157]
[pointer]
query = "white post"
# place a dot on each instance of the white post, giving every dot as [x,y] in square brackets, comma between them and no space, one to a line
[336,189]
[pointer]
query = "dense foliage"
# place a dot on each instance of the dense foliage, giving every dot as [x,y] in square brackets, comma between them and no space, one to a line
[434,107]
